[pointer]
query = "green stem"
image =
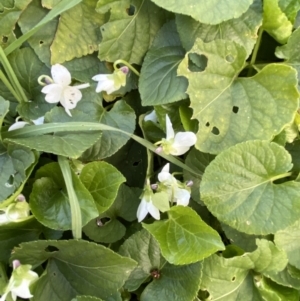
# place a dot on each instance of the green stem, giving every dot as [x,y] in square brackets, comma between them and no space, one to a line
[74,204]
[12,76]
[71,127]
[117,62]
[255,50]
[9,86]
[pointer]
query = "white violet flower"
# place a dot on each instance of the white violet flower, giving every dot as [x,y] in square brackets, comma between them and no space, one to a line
[61,91]
[20,124]
[111,82]
[147,205]
[177,191]
[151,117]
[177,144]
[20,281]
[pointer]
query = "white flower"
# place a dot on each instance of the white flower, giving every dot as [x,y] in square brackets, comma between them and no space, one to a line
[20,124]
[61,91]
[151,117]
[14,212]
[176,193]
[146,206]
[21,279]
[111,82]
[177,144]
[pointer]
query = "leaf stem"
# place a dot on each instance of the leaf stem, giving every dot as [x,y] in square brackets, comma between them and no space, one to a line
[12,76]
[9,86]
[255,50]
[74,204]
[117,62]
[284,175]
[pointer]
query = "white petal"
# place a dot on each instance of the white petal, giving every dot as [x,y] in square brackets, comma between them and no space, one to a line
[165,177]
[3,298]
[106,85]
[54,93]
[169,128]
[83,86]
[151,116]
[153,210]
[61,75]
[179,150]
[71,96]
[39,120]
[22,290]
[166,168]
[17,125]
[182,196]
[185,139]
[142,210]
[101,77]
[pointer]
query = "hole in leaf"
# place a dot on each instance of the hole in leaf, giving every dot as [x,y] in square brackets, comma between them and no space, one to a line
[235,109]
[207,124]
[102,28]
[10,181]
[136,163]
[54,274]
[100,222]
[215,131]
[131,10]
[51,249]
[4,39]
[155,274]
[197,62]
[229,58]
[233,278]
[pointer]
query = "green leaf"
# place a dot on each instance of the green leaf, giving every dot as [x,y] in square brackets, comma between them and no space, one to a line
[76,267]
[86,298]
[284,278]
[210,12]
[42,39]
[238,188]
[288,240]
[78,32]
[121,33]
[232,110]
[4,108]
[242,30]
[184,238]
[8,18]
[28,68]
[275,292]
[198,161]
[176,283]
[108,228]
[267,257]
[13,234]
[103,181]
[229,279]
[49,201]
[275,22]
[14,163]
[64,144]
[144,249]
[159,83]
[62,6]
[290,8]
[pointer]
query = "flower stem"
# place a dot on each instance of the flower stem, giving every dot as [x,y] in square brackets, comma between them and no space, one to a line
[9,87]
[74,204]
[255,50]
[12,76]
[117,62]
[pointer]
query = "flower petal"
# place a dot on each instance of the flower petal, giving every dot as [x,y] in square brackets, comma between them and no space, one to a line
[39,120]
[153,210]
[71,96]
[54,93]
[182,196]
[169,128]
[178,150]
[142,210]
[61,75]
[151,116]
[106,85]
[185,139]
[23,290]
[17,125]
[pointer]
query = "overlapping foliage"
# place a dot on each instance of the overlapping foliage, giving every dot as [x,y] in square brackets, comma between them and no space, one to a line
[224,70]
